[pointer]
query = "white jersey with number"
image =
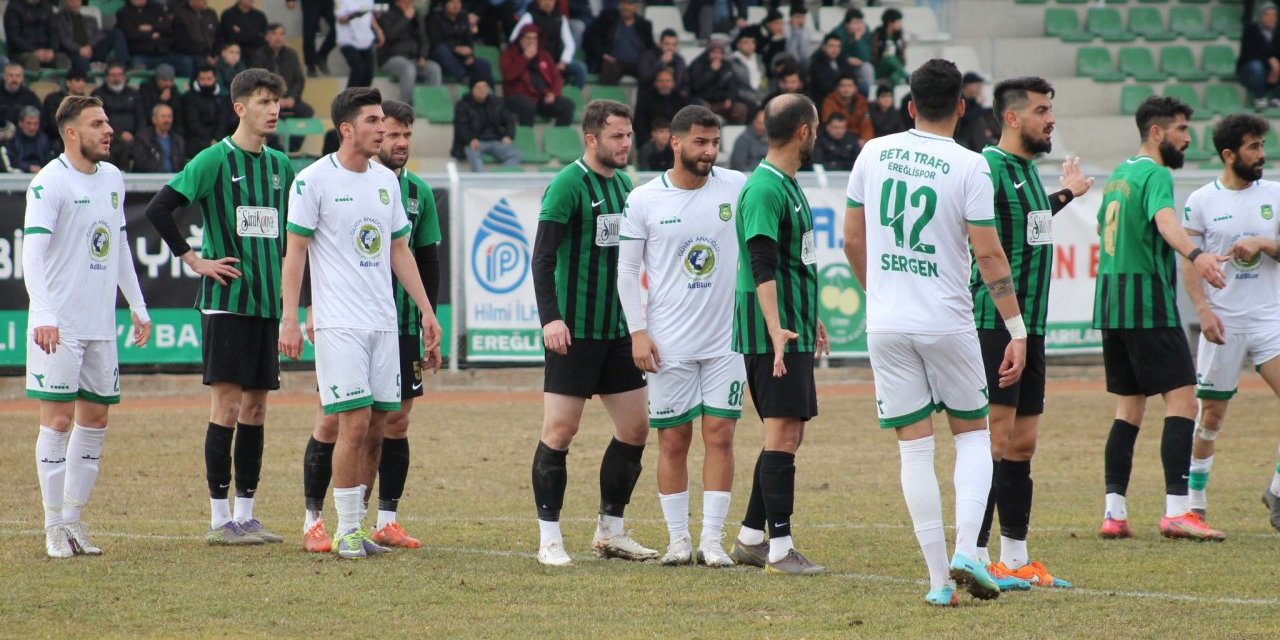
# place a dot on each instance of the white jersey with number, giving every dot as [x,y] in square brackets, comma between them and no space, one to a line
[351,219]
[84,215]
[919,191]
[690,259]
[1251,301]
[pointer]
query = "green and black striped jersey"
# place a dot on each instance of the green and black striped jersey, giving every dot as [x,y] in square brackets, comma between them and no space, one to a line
[243,200]
[1137,269]
[1024,221]
[590,206]
[420,206]
[772,205]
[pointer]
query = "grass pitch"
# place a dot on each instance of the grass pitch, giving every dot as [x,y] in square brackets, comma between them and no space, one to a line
[468,498]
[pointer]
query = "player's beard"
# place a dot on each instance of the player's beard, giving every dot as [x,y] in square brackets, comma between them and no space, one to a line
[94,152]
[806,149]
[1248,172]
[1172,156]
[1035,146]
[693,163]
[389,161]
[605,157]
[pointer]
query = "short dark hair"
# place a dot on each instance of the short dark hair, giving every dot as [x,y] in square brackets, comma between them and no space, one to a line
[1160,111]
[116,65]
[1230,132]
[398,111]
[693,115]
[935,89]
[228,44]
[1011,94]
[831,36]
[836,115]
[890,15]
[350,101]
[272,26]
[883,89]
[659,123]
[852,13]
[597,113]
[784,115]
[203,68]
[668,33]
[247,82]
[71,107]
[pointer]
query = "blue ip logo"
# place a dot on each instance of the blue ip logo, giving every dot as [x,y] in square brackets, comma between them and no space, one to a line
[500,254]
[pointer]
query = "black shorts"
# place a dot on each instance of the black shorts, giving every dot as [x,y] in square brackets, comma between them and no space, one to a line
[1027,394]
[410,366]
[1146,362]
[791,396]
[243,350]
[592,367]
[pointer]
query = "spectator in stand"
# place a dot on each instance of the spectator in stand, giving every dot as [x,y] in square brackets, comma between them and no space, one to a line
[713,83]
[148,34]
[313,12]
[196,33]
[246,26]
[32,37]
[230,62]
[660,101]
[799,38]
[855,47]
[978,127]
[451,34]
[616,42]
[837,147]
[83,39]
[580,15]
[889,49]
[160,89]
[750,147]
[483,125]
[848,102]
[557,38]
[495,19]
[770,35]
[656,154]
[788,81]
[667,56]
[358,32]
[158,149]
[72,85]
[1258,66]
[885,118]
[705,17]
[746,63]
[403,52]
[531,82]
[123,106]
[283,61]
[15,95]
[826,68]
[206,112]
[29,150]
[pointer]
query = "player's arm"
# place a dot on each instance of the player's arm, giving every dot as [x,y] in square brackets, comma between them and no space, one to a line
[39,224]
[1074,184]
[1206,264]
[428,261]
[1210,325]
[855,241]
[763,251]
[132,291]
[405,268]
[1246,248]
[160,213]
[555,333]
[993,265]
[295,261]
[630,258]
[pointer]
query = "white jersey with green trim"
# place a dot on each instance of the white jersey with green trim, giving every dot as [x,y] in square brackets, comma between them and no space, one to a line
[84,217]
[919,192]
[1251,300]
[351,219]
[690,260]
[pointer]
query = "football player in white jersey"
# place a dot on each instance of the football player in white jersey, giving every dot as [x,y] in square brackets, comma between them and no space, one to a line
[679,230]
[916,200]
[1234,215]
[346,215]
[75,255]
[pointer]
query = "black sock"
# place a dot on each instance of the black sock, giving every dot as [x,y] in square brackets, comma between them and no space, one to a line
[1118,459]
[317,469]
[984,534]
[778,487]
[217,459]
[755,517]
[550,476]
[1014,498]
[619,472]
[1175,453]
[248,458]
[393,468]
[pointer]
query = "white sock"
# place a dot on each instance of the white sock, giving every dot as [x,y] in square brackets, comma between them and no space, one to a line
[219,512]
[549,531]
[84,452]
[924,503]
[778,547]
[747,535]
[1116,507]
[51,468]
[973,485]
[244,509]
[310,520]
[1275,482]
[715,508]
[933,544]
[675,509]
[984,555]
[609,527]
[385,518]
[347,501]
[1175,505]
[364,503]
[1013,553]
[1199,474]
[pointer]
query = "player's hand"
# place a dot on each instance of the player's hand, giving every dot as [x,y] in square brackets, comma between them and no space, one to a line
[141,330]
[1015,360]
[47,339]
[780,337]
[220,270]
[555,335]
[433,360]
[1206,265]
[823,343]
[1246,249]
[1073,179]
[1211,327]
[431,332]
[291,339]
[644,352]
[311,327]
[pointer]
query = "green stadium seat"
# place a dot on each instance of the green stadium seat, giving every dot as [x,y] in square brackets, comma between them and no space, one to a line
[1222,99]
[562,143]
[1106,23]
[1193,1]
[1153,1]
[1179,62]
[1197,151]
[1139,64]
[1219,60]
[1226,20]
[1074,1]
[1272,144]
[1065,25]
[1131,96]
[1187,93]
[1095,62]
[1189,23]
[1030,1]
[490,55]
[574,94]
[1148,23]
[527,142]
[290,128]
[433,103]
[601,92]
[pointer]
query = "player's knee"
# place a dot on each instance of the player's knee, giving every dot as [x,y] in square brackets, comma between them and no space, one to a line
[674,443]
[397,426]
[999,447]
[59,422]
[719,436]
[226,413]
[558,434]
[252,412]
[326,429]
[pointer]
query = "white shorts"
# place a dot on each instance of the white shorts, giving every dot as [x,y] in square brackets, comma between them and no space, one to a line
[85,369]
[357,368]
[683,390]
[917,374]
[1218,365]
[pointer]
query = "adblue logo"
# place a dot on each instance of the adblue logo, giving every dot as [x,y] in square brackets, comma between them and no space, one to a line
[500,253]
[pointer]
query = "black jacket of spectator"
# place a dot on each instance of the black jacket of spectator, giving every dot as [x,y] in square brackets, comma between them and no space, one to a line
[64,28]
[651,63]
[11,104]
[835,154]
[150,94]
[26,151]
[29,26]
[825,74]
[157,41]
[206,116]
[480,121]
[766,47]
[1253,45]
[693,11]
[548,25]
[978,127]
[124,109]
[651,105]
[195,33]
[406,37]
[48,111]
[885,121]
[147,156]
[650,158]
[600,37]
[442,31]
[285,62]
[252,32]
[710,85]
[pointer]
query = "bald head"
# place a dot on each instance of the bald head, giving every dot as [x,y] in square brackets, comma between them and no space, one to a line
[785,114]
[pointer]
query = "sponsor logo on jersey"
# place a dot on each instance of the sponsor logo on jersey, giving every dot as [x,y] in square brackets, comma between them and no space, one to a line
[1267,213]
[384,196]
[367,236]
[725,211]
[99,237]
[698,260]
[83,200]
[413,206]
[500,252]
[275,181]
